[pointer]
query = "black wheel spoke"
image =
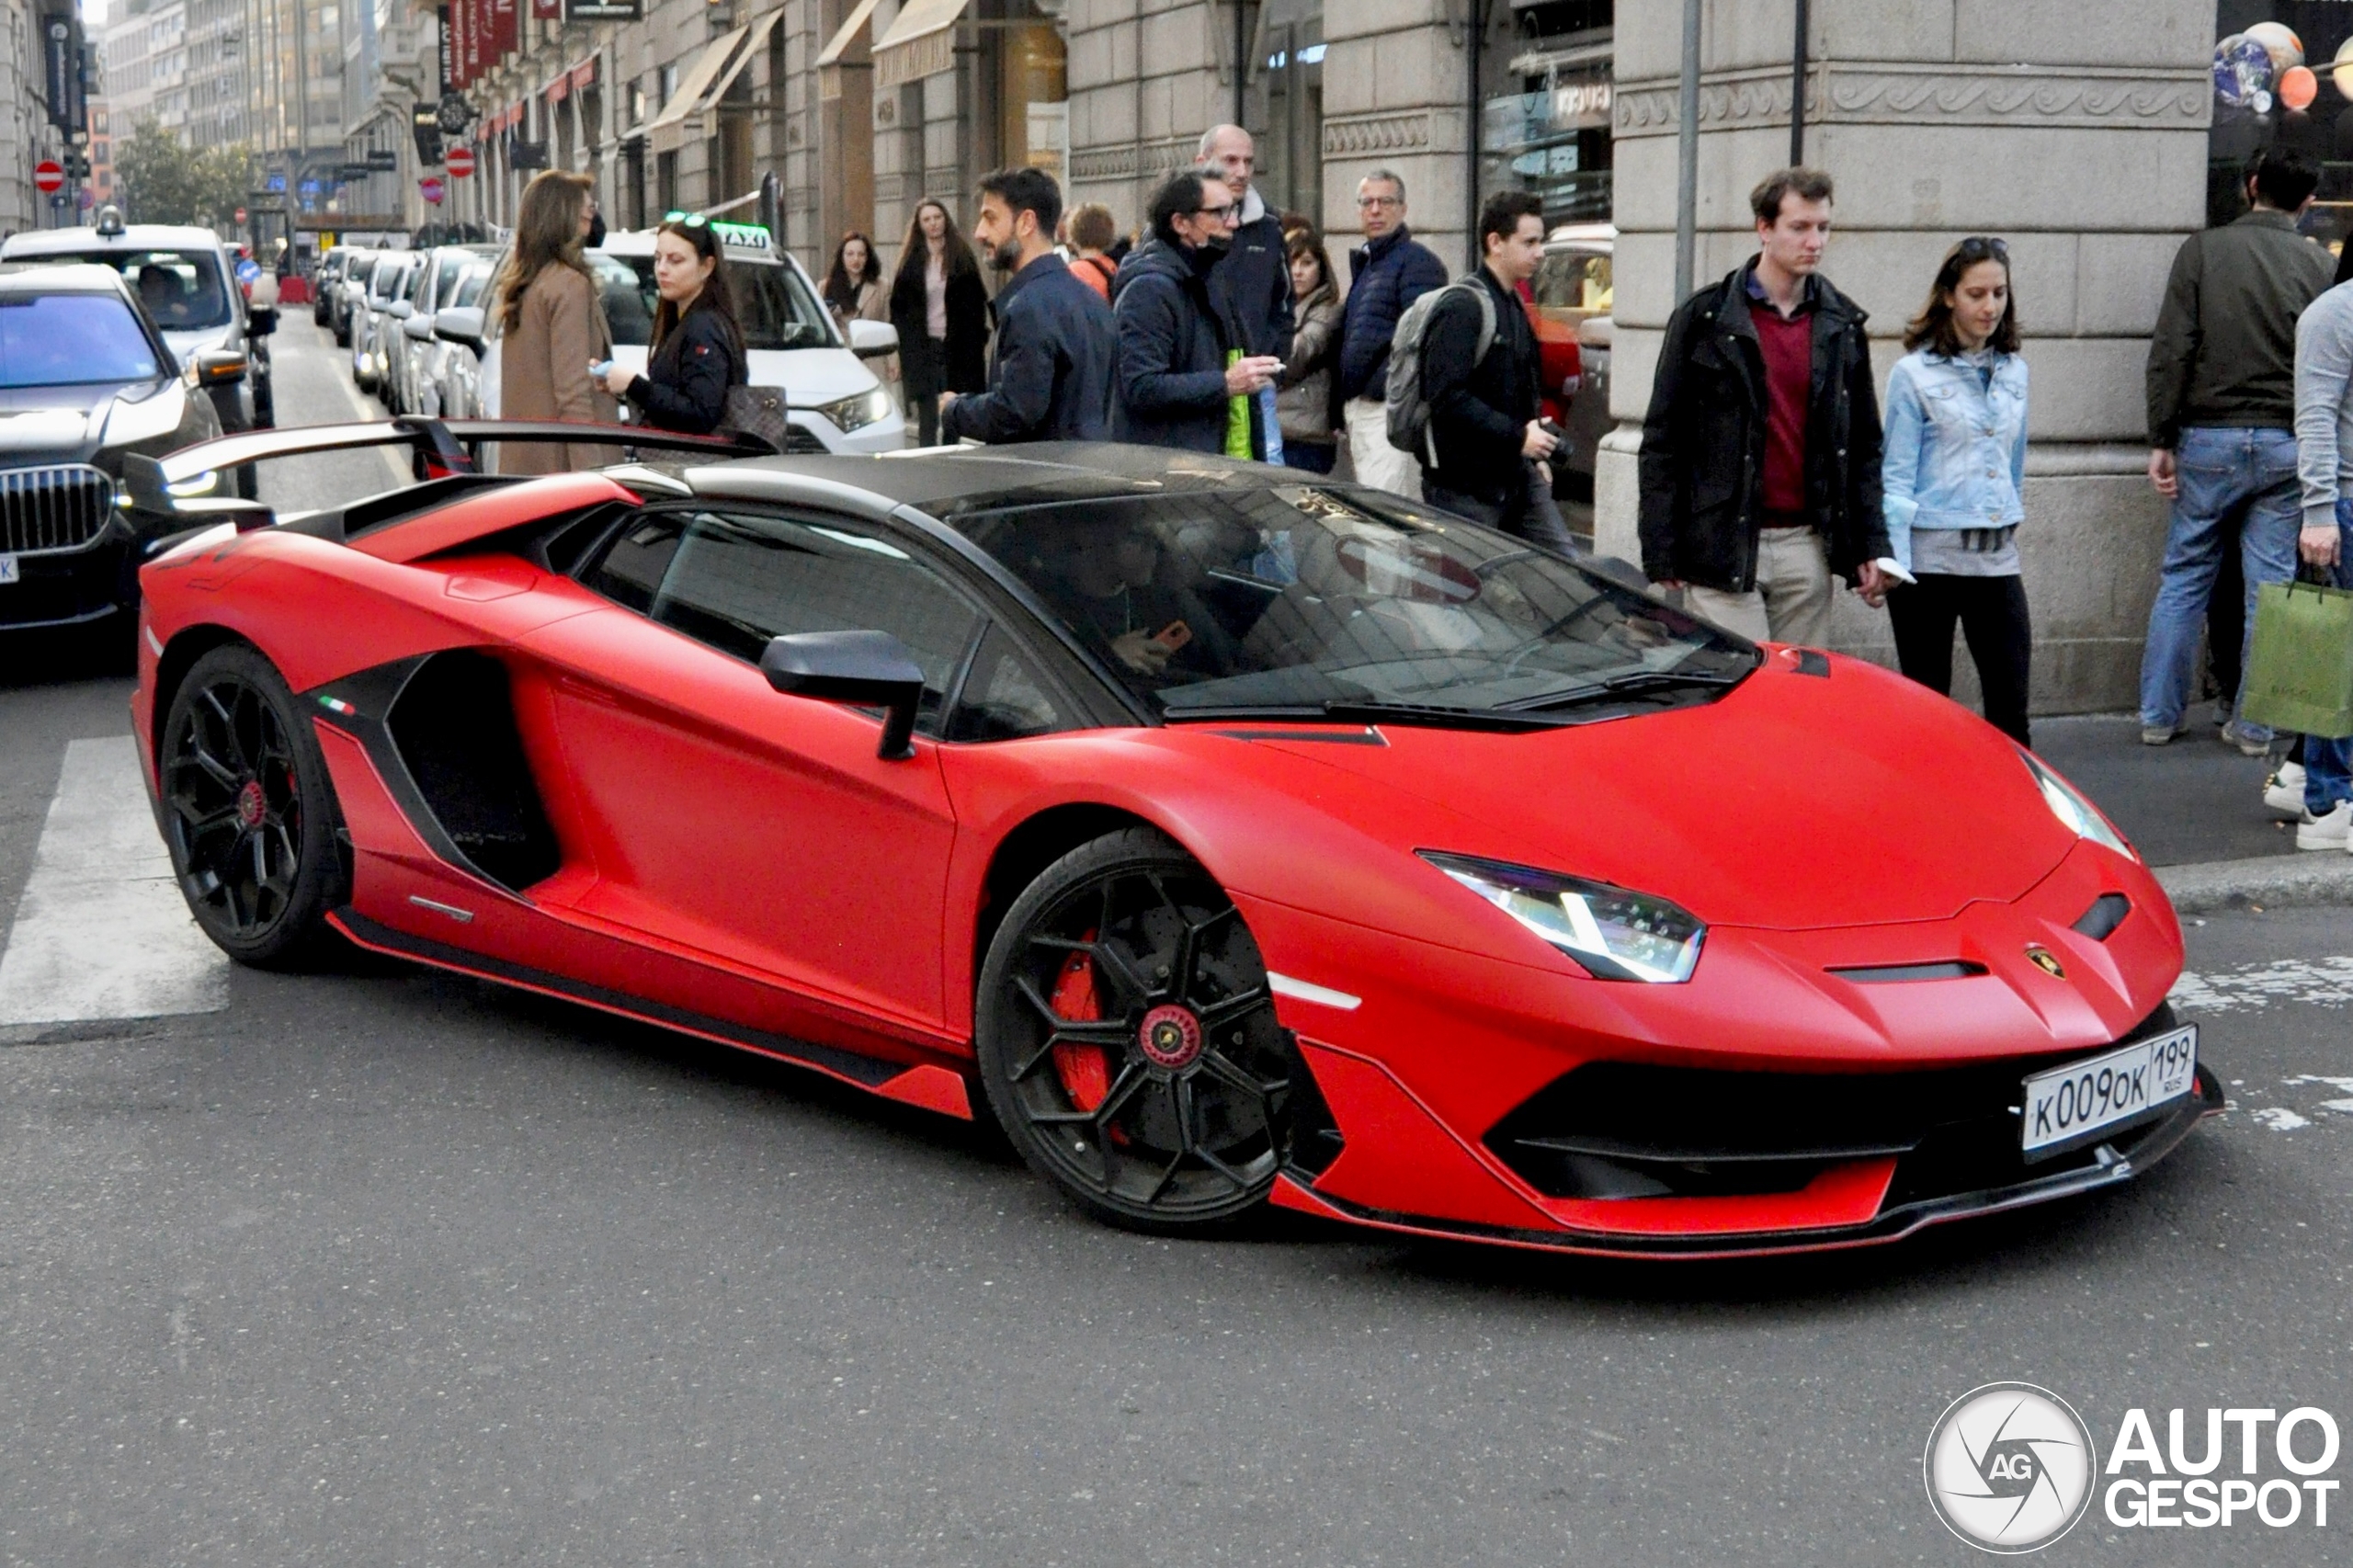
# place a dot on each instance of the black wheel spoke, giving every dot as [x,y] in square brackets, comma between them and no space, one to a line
[1223,1014]
[214,770]
[1218,1065]
[1132,1077]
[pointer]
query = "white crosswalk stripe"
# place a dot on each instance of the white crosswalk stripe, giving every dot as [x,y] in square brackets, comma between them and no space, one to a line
[102,931]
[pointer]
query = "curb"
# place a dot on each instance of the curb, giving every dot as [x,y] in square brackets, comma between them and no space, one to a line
[2271,881]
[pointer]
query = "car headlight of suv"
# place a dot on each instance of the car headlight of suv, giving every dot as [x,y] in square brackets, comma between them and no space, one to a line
[856,413]
[1612,932]
[2080,817]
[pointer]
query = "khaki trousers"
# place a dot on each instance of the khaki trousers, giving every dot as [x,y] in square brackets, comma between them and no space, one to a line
[1377,462]
[1791,600]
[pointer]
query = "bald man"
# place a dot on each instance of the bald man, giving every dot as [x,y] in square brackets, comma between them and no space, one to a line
[1253,279]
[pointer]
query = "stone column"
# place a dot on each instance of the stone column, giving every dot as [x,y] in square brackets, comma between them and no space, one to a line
[1395,76]
[2077,130]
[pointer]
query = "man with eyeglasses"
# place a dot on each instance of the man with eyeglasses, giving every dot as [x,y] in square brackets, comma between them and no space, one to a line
[1185,376]
[1386,274]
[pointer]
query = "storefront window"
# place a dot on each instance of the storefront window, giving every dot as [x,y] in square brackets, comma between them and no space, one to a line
[1287,111]
[2281,75]
[1546,121]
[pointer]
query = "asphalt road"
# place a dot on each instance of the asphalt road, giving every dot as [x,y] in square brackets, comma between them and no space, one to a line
[386,1266]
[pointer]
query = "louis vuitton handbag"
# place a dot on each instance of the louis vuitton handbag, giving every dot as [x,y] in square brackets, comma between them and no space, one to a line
[758,411]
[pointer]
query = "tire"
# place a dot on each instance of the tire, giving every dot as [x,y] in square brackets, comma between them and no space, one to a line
[248,812]
[1128,1043]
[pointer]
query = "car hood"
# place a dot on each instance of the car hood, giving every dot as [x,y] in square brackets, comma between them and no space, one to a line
[60,424]
[1793,802]
[811,377]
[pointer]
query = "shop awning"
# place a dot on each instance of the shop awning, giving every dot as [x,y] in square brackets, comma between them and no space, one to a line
[846,37]
[669,131]
[744,57]
[572,81]
[921,44]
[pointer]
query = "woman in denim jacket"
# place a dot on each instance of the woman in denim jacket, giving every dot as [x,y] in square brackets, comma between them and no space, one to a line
[1953,464]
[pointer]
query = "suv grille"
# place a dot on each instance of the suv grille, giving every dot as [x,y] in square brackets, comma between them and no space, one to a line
[801,439]
[43,510]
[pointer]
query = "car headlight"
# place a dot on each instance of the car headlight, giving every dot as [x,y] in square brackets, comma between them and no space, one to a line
[196,484]
[1612,932]
[856,413]
[2080,817]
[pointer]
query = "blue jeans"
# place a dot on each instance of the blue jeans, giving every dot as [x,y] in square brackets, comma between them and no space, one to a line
[2328,764]
[2219,468]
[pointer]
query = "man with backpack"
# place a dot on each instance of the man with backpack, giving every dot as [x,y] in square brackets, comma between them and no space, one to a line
[1386,275]
[1759,469]
[1483,444]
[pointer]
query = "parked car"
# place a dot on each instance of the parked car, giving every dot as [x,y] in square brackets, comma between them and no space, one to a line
[433,282]
[323,282]
[858,765]
[449,366]
[373,327]
[86,377]
[185,278]
[1571,295]
[351,291]
[836,402]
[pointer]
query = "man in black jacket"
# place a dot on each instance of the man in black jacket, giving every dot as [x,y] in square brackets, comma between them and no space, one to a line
[1049,364]
[1185,378]
[1490,444]
[1254,276]
[1759,469]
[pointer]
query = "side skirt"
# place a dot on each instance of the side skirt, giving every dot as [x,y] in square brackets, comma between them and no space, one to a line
[926,1085]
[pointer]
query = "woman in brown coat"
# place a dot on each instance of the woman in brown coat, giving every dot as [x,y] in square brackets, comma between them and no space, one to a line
[553,323]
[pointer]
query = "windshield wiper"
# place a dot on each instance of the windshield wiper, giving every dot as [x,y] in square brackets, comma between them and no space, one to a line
[1633,683]
[1356,711]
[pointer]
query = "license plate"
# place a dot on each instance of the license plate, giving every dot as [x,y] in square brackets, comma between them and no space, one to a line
[8,568]
[2068,1106]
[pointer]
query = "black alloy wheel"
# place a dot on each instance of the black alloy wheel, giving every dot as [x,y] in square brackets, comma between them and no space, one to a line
[248,812]
[1127,1040]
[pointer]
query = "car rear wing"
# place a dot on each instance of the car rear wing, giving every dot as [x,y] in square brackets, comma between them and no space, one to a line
[441,447]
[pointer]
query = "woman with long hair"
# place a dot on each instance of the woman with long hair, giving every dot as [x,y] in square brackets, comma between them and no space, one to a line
[551,318]
[1954,467]
[940,307]
[1303,405]
[853,288]
[697,345]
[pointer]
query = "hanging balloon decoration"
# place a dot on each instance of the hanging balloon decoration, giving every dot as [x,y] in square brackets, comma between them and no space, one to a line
[2242,74]
[2299,86]
[2280,43]
[2341,73]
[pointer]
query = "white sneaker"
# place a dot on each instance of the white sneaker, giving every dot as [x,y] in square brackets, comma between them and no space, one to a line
[2330,832]
[2284,792]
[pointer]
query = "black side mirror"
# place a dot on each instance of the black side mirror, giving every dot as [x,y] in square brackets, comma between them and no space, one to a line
[862,667]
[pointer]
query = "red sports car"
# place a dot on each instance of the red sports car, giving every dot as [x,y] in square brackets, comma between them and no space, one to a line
[1230,836]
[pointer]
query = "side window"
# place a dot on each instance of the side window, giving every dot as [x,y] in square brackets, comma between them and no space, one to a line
[735,580]
[1004,697]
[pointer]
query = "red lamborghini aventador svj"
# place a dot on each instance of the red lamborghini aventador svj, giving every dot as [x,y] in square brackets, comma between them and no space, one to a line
[1231,837]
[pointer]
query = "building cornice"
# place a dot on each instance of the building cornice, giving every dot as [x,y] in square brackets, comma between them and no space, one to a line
[1888,93]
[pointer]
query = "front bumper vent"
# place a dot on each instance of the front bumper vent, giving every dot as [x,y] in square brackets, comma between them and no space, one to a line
[49,511]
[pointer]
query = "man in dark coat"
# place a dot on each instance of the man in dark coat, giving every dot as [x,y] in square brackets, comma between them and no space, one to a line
[1386,274]
[1182,364]
[1050,368]
[1253,279]
[1759,469]
[1485,426]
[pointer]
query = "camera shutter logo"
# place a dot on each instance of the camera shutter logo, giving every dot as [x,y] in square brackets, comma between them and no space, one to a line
[2009,1468]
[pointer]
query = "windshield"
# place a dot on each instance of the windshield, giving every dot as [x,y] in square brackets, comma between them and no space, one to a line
[1300,598]
[181,290]
[56,340]
[471,286]
[772,305]
[390,277]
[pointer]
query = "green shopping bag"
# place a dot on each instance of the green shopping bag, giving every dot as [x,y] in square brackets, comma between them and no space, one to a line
[2300,672]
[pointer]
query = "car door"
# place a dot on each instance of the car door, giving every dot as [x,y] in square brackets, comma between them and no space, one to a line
[761,829]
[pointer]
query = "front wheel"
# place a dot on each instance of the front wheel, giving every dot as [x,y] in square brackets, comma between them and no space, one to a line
[1127,1040]
[249,814]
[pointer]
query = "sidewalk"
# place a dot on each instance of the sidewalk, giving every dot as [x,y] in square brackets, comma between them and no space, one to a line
[2194,810]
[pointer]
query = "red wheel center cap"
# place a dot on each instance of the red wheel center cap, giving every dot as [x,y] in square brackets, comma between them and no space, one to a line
[1170,1036]
[252,805]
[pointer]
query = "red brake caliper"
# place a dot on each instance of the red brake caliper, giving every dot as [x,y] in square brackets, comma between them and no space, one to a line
[1085,1074]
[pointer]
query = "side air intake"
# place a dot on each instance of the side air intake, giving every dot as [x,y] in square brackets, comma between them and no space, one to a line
[454,728]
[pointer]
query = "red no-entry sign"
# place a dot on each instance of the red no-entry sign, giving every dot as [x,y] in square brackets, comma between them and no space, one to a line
[241,214]
[49,174]
[460,161]
[430,188]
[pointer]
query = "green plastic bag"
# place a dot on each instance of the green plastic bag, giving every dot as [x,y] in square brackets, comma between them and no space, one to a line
[2300,672]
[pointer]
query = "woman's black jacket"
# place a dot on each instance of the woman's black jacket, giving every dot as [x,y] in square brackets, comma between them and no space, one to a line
[685,384]
[966,369]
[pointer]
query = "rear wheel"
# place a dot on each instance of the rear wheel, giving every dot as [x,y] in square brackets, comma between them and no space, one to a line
[249,814]
[1127,1040]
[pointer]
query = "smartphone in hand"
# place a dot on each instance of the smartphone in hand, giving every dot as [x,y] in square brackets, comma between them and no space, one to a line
[1174,635]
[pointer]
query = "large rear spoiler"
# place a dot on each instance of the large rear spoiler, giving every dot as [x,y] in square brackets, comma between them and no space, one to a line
[440,447]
